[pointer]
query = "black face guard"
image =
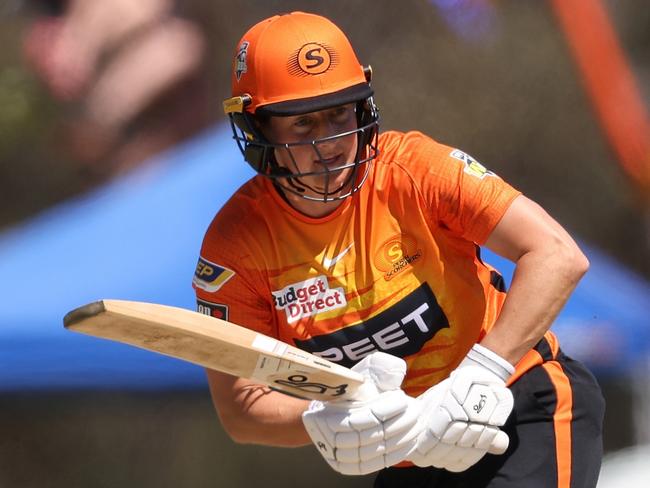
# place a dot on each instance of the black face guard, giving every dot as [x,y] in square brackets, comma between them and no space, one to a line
[260,154]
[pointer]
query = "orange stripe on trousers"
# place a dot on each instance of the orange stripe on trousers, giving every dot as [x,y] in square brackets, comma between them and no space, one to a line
[531,359]
[561,421]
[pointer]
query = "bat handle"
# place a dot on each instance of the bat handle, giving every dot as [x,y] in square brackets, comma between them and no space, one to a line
[382,372]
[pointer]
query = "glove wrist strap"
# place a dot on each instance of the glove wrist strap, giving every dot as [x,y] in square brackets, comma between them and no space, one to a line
[491,360]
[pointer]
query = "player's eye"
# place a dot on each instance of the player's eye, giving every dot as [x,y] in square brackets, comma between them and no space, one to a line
[303,126]
[303,122]
[342,115]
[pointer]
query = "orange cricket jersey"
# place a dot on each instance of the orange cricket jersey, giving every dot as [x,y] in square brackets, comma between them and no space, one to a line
[393,268]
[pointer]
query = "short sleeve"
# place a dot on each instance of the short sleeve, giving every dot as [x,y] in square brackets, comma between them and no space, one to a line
[228,285]
[462,194]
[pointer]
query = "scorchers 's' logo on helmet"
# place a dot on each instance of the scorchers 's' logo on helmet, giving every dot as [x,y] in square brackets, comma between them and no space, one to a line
[240,60]
[312,59]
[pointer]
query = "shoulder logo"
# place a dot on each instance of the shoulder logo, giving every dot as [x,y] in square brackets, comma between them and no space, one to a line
[472,166]
[240,60]
[329,262]
[210,276]
[312,59]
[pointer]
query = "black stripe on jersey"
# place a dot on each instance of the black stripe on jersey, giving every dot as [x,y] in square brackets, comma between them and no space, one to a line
[496,280]
[544,349]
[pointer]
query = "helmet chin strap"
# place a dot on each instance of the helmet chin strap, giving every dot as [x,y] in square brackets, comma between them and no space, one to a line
[296,186]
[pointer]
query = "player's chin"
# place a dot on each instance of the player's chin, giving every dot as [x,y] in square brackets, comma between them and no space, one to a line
[338,183]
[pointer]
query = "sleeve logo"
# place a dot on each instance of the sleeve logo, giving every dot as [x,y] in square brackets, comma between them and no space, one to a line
[211,276]
[216,310]
[472,166]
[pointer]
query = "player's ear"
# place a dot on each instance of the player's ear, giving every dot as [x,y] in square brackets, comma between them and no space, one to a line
[263,125]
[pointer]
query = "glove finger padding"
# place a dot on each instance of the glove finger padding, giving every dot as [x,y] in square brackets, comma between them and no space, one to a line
[360,437]
[499,443]
[459,439]
[462,458]
[358,468]
[429,452]
[470,436]
[463,413]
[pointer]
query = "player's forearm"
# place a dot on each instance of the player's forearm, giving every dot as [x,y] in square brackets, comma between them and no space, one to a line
[542,283]
[255,414]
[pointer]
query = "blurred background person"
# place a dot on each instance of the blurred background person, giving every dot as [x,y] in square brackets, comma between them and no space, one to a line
[110,63]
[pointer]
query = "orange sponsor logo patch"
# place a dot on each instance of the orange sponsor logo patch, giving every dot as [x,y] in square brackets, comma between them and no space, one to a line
[396,254]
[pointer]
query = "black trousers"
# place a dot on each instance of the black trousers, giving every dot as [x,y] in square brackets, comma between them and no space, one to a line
[555,433]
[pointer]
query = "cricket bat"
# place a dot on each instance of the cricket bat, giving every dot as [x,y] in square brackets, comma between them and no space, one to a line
[215,344]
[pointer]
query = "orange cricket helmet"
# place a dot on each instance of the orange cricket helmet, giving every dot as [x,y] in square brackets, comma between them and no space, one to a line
[297,63]
[294,64]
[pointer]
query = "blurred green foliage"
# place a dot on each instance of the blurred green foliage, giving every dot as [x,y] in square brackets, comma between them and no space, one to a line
[26,110]
[16,101]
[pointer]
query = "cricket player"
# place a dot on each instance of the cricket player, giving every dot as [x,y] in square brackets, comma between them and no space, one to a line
[363,248]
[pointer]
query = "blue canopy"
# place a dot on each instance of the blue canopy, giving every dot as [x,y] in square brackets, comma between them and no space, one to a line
[138,238]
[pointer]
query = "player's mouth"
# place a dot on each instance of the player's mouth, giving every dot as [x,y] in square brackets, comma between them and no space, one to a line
[331,161]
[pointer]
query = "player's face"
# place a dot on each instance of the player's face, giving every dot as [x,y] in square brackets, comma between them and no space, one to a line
[321,157]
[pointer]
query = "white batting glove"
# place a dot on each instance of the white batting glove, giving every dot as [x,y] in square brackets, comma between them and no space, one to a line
[360,437]
[464,412]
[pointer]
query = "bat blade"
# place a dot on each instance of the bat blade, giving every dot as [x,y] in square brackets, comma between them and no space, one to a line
[215,344]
